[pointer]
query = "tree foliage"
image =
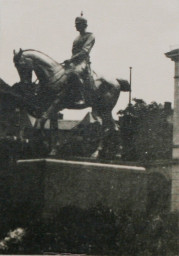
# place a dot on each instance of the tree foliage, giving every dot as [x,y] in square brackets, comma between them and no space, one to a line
[146,132]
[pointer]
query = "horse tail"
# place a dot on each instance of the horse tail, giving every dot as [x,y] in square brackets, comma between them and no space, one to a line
[124,85]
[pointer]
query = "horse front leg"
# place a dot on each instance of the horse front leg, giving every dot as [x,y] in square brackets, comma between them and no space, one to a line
[53,135]
[50,114]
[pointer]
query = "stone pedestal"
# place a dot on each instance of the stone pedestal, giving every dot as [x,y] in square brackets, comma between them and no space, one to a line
[49,185]
[174,56]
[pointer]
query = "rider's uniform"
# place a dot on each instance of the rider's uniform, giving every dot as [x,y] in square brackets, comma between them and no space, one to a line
[80,60]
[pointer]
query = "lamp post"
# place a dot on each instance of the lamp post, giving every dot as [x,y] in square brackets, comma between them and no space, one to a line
[130,81]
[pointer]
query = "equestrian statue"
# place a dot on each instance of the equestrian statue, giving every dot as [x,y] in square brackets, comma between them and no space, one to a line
[67,85]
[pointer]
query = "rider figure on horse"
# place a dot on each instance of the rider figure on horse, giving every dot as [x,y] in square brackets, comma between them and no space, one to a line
[79,64]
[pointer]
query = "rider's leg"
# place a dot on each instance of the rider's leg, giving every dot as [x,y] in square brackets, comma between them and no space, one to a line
[89,84]
[72,80]
[81,100]
[77,81]
[77,84]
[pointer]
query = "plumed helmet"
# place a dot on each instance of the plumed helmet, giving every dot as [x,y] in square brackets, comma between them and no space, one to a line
[81,19]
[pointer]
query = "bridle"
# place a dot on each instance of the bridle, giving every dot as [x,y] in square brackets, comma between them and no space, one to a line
[25,73]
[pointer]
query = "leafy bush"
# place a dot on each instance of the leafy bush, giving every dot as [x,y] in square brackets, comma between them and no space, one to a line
[100,231]
[145,131]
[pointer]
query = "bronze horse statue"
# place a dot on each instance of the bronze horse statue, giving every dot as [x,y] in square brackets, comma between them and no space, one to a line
[56,95]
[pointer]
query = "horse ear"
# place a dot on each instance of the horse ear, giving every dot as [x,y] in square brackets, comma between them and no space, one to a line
[14,52]
[20,50]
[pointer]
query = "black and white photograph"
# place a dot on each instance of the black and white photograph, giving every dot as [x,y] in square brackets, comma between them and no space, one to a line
[89,127]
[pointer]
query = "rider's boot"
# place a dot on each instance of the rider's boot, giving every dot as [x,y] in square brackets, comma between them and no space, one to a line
[81,100]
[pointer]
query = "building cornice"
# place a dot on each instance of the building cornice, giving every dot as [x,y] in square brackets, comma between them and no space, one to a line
[173,55]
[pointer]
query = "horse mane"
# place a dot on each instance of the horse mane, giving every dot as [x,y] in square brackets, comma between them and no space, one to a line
[18,55]
[33,50]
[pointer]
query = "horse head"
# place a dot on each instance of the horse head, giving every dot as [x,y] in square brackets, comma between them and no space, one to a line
[24,66]
[45,68]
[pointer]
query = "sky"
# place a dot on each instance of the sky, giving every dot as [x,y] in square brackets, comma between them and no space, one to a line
[129,33]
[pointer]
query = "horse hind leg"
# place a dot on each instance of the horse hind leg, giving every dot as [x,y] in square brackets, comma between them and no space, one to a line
[99,134]
[108,129]
[97,154]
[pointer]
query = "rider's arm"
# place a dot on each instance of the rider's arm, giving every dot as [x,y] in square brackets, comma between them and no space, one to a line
[89,44]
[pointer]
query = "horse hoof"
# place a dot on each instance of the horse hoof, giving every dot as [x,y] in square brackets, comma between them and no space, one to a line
[53,152]
[95,154]
[37,124]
